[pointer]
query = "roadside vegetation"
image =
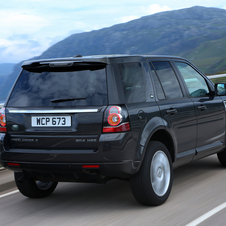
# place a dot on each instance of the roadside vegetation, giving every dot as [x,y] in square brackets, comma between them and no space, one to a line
[219,80]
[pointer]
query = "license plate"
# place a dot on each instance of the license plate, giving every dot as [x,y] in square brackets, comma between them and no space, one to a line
[50,121]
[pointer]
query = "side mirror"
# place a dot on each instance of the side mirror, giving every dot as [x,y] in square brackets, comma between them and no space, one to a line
[220,89]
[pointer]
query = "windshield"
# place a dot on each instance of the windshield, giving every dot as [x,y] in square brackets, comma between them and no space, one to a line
[64,88]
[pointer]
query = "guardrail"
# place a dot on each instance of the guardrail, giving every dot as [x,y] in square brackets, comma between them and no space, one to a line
[216,76]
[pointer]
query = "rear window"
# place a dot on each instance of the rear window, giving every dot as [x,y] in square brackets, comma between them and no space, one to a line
[64,88]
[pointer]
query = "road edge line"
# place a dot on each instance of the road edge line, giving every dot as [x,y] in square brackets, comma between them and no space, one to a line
[9,193]
[207,215]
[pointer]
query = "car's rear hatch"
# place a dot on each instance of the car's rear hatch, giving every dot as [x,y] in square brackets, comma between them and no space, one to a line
[58,106]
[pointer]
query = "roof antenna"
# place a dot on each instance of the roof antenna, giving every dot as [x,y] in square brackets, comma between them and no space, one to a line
[78,55]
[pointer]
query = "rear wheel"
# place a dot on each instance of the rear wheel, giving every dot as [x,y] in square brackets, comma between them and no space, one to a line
[33,189]
[152,184]
[222,157]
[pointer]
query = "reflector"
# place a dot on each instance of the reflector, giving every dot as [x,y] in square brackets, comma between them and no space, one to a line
[122,128]
[13,164]
[91,166]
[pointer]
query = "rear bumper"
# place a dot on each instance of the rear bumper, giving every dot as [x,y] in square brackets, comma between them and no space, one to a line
[76,172]
[115,159]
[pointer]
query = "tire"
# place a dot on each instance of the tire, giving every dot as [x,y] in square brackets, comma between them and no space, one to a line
[222,157]
[151,185]
[33,189]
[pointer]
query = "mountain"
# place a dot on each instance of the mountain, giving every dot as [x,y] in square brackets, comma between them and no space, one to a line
[6,68]
[196,33]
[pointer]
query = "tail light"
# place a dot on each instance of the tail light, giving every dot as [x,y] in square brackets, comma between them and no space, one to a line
[116,120]
[2,120]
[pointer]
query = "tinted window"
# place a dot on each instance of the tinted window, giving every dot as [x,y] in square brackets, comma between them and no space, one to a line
[88,87]
[196,84]
[133,82]
[158,86]
[168,79]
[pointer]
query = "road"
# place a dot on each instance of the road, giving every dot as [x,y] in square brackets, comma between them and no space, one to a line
[198,188]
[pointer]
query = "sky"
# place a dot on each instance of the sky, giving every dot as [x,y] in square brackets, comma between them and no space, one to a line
[29,27]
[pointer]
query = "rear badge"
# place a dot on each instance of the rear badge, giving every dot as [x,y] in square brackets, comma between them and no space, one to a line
[15,127]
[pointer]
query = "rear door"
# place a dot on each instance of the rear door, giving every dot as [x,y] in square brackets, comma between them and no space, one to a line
[58,108]
[136,90]
[177,110]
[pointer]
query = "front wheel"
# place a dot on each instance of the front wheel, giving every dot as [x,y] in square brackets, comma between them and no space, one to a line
[152,184]
[32,188]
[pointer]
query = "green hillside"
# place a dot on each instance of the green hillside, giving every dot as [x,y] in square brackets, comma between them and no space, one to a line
[210,56]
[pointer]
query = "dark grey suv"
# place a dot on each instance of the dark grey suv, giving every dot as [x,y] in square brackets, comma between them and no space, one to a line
[96,118]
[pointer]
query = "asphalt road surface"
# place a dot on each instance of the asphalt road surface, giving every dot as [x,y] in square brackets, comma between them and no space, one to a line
[198,188]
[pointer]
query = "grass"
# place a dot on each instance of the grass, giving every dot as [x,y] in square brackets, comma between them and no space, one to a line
[219,80]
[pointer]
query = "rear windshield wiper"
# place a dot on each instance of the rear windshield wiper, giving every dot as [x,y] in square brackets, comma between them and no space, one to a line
[66,99]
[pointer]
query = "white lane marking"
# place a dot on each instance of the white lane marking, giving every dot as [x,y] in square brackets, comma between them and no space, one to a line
[9,193]
[207,215]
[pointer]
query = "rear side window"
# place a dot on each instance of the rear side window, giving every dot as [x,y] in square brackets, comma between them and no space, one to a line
[64,88]
[159,90]
[132,80]
[168,79]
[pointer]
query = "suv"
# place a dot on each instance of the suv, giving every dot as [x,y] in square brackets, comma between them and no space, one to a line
[96,118]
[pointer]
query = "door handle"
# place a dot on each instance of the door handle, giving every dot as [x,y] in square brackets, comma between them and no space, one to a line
[171,111]
[202,107]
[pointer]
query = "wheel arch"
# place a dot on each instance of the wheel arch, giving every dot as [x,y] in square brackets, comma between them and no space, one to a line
[163,136]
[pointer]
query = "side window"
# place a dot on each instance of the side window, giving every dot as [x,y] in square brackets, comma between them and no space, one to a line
[196,84]
[132,82]
[168,79]
[160,93]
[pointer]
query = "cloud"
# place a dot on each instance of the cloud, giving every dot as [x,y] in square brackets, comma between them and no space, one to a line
[4,43]
[155,8]
[143,11]
[21,37]
[20,22]
[18,37]
[14,50]
[128,18]
[31,27]
[135,12]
